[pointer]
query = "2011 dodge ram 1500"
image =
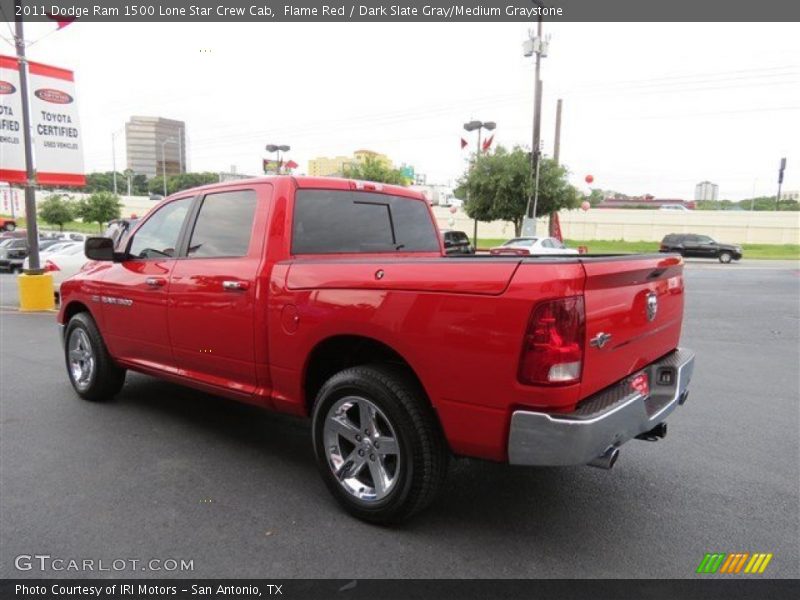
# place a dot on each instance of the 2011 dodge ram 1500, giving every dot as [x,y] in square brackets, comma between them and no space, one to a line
[334,298]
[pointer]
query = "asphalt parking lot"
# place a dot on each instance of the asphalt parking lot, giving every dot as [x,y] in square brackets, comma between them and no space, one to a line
[168,473]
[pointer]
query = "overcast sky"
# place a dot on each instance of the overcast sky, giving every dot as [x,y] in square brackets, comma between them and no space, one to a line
[648,108]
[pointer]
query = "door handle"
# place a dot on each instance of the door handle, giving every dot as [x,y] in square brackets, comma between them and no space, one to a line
[235,286]
[155,281]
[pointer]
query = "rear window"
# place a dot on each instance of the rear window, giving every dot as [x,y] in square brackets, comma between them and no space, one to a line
[331,221]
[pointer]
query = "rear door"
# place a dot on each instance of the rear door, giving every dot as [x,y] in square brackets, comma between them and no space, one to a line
[213,289]
[638,302]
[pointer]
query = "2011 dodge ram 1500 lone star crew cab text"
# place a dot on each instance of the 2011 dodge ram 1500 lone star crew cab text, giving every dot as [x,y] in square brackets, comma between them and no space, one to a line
[334,298]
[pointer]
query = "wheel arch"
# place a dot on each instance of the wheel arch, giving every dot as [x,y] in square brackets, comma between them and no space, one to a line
[339,352]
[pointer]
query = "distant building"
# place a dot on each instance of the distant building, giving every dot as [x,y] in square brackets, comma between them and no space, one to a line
[790,195]
[233,175]
[335,166]
[154,145]
[705,190]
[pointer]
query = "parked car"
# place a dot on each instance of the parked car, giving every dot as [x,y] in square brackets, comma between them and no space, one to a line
[15,256]
[333,299]
[673,207]
[527,246]
[456,242]
[64,264]
[46,249]
[7,224]
[700,246]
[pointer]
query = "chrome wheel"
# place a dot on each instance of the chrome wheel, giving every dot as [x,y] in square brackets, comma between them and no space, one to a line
[81,359]
[362,448]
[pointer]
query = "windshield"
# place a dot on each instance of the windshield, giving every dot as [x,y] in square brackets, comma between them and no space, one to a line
[521,242]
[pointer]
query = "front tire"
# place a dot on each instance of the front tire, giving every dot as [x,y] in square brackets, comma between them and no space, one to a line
[378,445]
[91,370]
[725,257]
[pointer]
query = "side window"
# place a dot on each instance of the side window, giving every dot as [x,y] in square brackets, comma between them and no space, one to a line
[547,244]
[158,236]
[224,225]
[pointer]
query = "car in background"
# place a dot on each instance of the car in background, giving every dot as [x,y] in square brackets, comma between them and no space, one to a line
[673,207]
[63,264]
[17,233]
[456,242]
[118,230]
[46,249]
[692,245]
[14,252]
[528,246]
[7,224]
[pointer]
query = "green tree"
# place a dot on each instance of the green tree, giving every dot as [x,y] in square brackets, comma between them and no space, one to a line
[498,186]
[595,197]
[57,210]
[100,207]
[373,169]
[184,181]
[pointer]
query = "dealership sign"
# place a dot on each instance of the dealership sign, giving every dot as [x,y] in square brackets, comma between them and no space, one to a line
[57,142]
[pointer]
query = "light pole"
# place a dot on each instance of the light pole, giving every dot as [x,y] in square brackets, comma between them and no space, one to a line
[477,126]
[538,45]
[278,149]
[114,157]
[164,162]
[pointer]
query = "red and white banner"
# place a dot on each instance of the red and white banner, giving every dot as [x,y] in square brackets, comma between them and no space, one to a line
[57,142]
[12,146]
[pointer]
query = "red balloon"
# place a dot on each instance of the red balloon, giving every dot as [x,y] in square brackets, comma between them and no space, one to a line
[589,179]
[453,209]
[585,206]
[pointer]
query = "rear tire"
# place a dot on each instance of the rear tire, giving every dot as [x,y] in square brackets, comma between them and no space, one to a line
[378,444]
[725,258]
[91,370]
[10,226]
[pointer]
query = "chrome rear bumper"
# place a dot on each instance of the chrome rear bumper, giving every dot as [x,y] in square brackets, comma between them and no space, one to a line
[603,421]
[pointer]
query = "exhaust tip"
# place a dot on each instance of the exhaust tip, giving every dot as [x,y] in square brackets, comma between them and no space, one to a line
[606,460]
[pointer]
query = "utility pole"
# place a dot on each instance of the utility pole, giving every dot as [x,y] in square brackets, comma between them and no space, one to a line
[556,158]
[557,144]
[780,183]
[30,193]
[535,45]
[114,161]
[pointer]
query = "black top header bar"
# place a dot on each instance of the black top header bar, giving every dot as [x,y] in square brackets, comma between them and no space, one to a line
[404,10]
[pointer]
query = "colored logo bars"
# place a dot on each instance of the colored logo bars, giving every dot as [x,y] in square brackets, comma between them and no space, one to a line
[742,562]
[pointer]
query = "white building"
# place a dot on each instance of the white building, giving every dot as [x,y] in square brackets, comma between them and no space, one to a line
[705,190]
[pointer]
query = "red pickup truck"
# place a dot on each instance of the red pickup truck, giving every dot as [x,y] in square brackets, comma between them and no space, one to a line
[334,299]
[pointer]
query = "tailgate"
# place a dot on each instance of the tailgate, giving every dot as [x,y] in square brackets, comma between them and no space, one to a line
[638,302]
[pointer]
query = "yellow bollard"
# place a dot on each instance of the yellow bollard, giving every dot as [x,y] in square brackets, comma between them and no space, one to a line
[36,292]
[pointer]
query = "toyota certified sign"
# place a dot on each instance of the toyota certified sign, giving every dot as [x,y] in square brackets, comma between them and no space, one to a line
[53,96]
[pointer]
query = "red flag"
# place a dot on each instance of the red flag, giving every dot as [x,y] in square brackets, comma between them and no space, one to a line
[555,227]
[61,21]
[487,143]
[463,143]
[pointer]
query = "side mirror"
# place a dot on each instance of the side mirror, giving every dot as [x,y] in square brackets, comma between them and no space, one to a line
[99,248]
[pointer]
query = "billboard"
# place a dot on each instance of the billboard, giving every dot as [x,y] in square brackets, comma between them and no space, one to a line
[57,142]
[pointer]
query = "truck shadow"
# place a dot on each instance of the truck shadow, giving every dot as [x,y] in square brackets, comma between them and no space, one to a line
[480,498]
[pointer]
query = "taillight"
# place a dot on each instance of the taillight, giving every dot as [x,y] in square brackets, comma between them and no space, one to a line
[50,266]
[552,350]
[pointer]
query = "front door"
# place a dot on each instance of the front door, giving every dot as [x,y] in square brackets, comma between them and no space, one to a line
[134,300]
[213,290]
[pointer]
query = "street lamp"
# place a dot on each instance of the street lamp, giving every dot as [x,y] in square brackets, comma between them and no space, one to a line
[477,126]
[164,162]
[278,149]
